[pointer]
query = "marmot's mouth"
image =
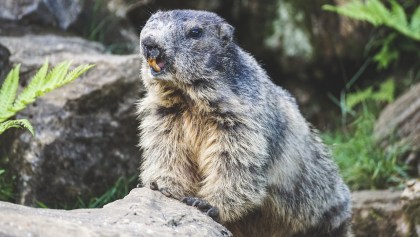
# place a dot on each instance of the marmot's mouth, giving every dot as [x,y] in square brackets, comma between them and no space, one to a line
[157,65]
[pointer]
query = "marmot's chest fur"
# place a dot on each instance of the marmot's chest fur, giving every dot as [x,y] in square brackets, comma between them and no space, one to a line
[217,134]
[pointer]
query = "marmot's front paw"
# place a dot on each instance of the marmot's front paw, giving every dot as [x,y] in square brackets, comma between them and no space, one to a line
[203,206]
[163,190]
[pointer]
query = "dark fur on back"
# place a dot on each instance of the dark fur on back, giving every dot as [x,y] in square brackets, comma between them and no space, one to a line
[215,127]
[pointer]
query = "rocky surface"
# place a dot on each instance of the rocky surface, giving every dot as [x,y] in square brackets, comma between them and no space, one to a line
[387,213]
[399,124]
[142,213]
[86,132]
[148,213]
[60,13]
[93,20]
[4,62]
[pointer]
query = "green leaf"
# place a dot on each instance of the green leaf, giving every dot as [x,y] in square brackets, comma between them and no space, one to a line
[385,92]
[355,10]
[20,123]
[75,73]
[27,95]
[415,21]
[376,13]
[387,54]
[53,78]
[8,93]
[356,98]
[398,14]
[41,83]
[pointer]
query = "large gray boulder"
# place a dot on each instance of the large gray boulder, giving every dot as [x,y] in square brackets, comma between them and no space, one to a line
[142,213]
[61,13]
[148,213]
[86,131]
[90,19]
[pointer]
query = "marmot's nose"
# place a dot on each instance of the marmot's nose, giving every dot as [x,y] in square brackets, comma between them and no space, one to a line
[150,47]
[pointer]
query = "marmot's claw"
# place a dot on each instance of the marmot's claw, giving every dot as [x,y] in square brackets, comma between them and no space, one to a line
[213,212]
[153,186]
[164,191]
[203,206]
[189,200]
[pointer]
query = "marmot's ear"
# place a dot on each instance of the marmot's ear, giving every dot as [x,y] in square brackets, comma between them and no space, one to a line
[226,33]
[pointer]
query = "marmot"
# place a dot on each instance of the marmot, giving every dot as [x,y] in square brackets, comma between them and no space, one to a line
[217,134]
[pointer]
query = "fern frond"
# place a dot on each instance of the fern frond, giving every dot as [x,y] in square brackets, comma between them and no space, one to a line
[385,92]
[387,53]
[415,21]
[41,83]
[20,123]
[349,11]
[27,95]
[356,98]
[54,77]
[45,81]
[8,92]
[75,73]
[398,14]
[375,12]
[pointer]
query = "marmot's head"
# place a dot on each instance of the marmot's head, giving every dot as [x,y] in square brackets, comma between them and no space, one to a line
[184,46]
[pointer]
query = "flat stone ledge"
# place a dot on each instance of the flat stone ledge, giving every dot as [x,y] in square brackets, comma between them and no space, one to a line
[143,212]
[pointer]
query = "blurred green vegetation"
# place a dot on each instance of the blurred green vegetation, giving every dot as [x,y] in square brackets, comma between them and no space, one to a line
[7,192]
[119,190]
[364,164]
[99,26]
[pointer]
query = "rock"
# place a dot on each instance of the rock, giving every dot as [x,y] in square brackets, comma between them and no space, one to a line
[148,213]
[100,21]
[376,213]
[4,63]
[411,200]
[387,213]
[412,190]
[399,124]
[142,213]
[62,13]
[86,131]
[90,19]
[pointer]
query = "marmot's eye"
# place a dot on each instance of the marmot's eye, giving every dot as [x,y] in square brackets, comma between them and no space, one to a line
[195,32]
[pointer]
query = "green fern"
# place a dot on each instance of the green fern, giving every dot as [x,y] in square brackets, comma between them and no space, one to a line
[375,12]
[19,123]
[384,94]
[44,81]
